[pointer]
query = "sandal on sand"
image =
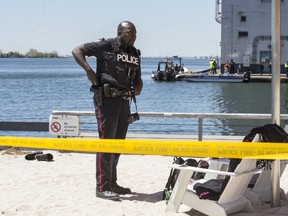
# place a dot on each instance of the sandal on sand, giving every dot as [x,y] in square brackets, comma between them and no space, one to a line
[44,157]
[31,156]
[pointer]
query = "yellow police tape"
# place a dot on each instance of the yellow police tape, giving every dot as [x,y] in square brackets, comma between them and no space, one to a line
[183,148]
[155,147]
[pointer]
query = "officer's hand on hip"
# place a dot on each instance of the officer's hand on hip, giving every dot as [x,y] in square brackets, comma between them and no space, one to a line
[92,76]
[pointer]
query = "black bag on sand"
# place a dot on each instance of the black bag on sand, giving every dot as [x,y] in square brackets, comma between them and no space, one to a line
[213,188]
[268,133]
[174,175]
[210,189]
[199,175]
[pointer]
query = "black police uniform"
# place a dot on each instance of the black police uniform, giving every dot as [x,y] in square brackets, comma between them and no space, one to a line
[112,114]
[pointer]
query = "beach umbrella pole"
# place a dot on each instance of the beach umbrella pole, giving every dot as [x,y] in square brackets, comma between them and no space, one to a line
[275,88]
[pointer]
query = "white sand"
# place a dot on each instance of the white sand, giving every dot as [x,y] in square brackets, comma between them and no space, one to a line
[66,186]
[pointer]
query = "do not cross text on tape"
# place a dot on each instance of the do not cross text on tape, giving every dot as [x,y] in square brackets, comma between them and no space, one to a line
[259,150]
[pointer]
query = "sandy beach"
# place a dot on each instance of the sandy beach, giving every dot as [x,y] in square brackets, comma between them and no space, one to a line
[66,186]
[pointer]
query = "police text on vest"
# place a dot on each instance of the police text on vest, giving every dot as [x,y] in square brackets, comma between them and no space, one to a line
[128,59]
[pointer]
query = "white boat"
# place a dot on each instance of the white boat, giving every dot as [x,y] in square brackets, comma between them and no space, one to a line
[207,77]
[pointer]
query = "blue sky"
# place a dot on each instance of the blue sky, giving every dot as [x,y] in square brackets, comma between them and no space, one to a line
[164,27]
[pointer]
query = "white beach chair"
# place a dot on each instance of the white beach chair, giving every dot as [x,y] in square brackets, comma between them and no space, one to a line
[231,200]
[220,164]
[261,191]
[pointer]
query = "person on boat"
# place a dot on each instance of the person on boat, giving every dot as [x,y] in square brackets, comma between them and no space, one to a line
[227,68]
[177,68]
[212,66]
[215,66]
[116,80]
[286,67]
[232,67]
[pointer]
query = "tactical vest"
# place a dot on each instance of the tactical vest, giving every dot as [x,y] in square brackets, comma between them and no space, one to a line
[121,65]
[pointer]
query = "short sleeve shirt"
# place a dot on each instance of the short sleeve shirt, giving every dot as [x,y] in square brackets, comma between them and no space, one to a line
[114,62]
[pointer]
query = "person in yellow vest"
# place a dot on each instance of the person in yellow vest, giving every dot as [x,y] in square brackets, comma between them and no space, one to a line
[286,67]
[212,66]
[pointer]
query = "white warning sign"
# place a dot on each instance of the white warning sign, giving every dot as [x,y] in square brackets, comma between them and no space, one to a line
[64,125]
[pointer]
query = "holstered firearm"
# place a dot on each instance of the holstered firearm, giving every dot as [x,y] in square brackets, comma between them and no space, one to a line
[97,90]
[105,78]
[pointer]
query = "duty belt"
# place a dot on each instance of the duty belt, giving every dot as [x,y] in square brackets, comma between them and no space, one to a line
[114,92]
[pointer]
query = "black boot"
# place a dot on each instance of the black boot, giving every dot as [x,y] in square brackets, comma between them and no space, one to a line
[120,190]
[32,156]
[44,157]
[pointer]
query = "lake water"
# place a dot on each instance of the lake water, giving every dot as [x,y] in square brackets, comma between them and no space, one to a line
[32,88]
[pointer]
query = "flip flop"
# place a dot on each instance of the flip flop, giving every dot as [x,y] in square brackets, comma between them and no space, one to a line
[44,157]
[32,156]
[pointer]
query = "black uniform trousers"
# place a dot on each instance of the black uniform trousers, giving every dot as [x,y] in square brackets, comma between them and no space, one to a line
[112,120]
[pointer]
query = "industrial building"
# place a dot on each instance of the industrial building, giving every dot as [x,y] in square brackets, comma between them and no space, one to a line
[246,33]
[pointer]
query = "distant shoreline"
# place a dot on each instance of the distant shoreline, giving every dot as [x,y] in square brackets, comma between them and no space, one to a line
[32,53]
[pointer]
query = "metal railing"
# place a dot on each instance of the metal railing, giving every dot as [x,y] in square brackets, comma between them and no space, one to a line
[199,116]
[199,125]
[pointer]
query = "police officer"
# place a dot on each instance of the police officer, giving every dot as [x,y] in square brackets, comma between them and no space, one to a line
[116,80]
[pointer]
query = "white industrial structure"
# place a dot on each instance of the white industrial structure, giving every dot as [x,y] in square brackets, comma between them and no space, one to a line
[246,33]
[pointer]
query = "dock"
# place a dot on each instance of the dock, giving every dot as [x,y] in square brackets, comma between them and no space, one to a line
[266,78]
